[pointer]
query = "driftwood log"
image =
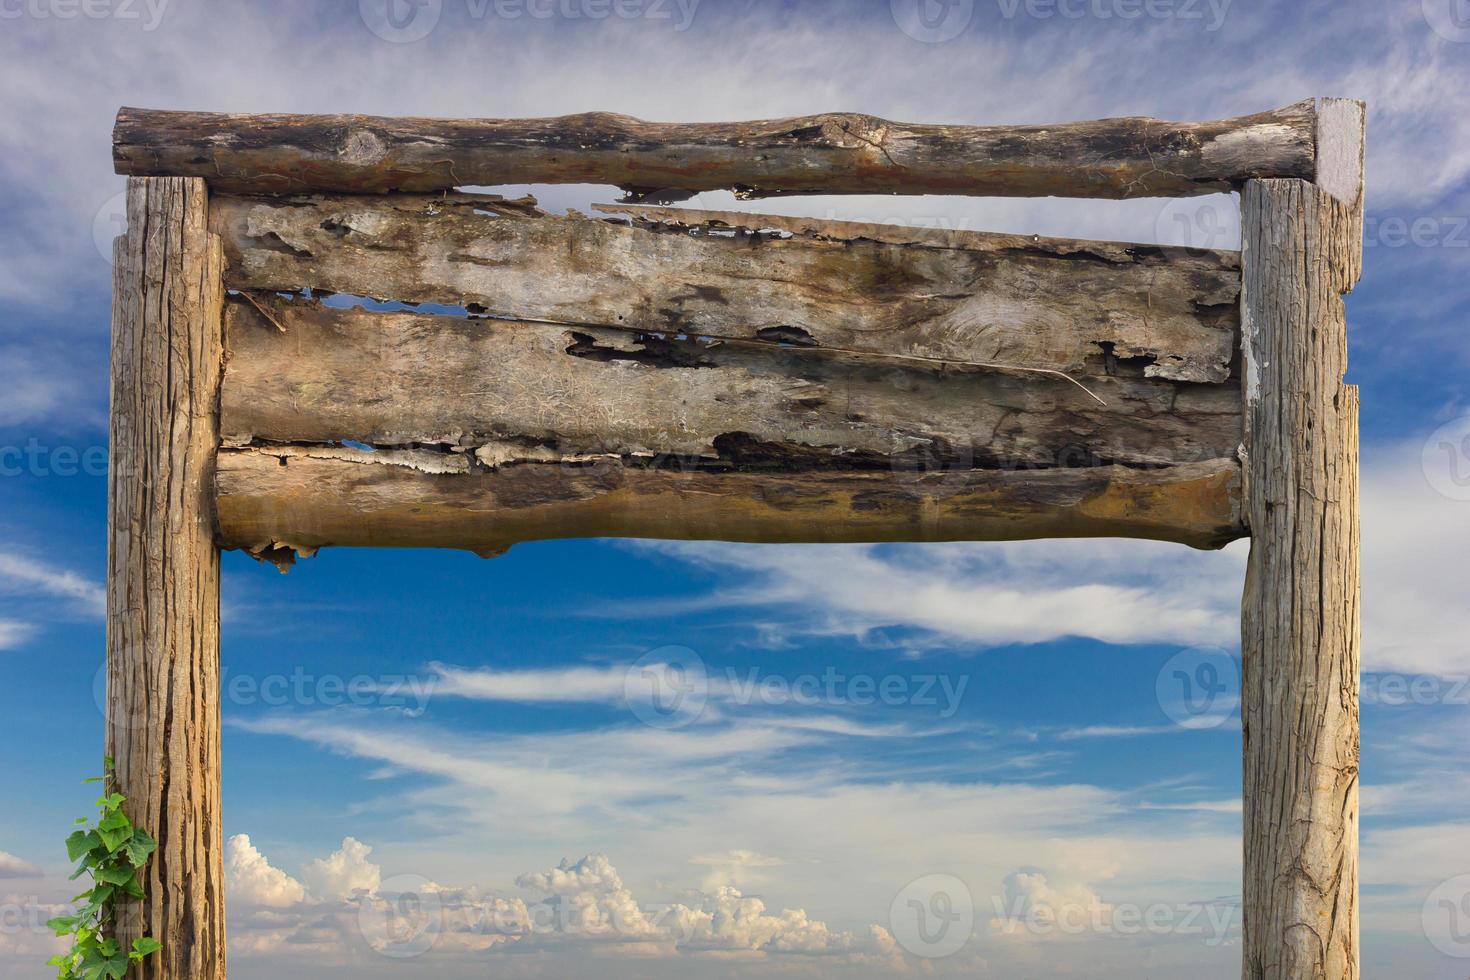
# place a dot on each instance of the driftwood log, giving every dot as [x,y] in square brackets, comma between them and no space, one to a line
[835,153]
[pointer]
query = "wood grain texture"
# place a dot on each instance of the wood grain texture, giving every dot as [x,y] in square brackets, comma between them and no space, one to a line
[280,499]
[299,372]
[1039,303]
[163,720]
[1300,619]
[835,153]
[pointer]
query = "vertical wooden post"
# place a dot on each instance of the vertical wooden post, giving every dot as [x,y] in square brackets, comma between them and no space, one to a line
[163,720]
[1302,246]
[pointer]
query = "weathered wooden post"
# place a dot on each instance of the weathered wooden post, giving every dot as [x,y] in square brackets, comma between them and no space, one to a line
[1302,250]
[163,715]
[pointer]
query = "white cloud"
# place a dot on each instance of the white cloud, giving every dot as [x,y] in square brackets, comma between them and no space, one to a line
[28,575]
[1416,601]
[581,903]
[13,867]
[343,873]
[13,634]
[985,595]
[250,878]
[571,684]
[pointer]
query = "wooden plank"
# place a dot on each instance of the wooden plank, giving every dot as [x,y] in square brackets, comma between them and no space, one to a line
[163,717]
[1031,302]
[299,372]
[1300,616]
[279,500]
[834,153]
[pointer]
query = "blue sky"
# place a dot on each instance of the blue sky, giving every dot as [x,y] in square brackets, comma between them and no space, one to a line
[479,733]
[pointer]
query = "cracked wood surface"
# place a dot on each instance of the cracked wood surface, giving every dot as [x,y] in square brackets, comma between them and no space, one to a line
[163,714]
[1048,304]
[299,372]
[277,500]
[834,153]
[1300,633]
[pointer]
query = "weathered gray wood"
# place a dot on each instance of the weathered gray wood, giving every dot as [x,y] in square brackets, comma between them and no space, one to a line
[1039,303]
[299,372]
[1302,250]
[276,500]
[163,720]
[835,153]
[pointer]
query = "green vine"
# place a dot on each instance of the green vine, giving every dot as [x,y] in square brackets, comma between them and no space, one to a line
[111,851]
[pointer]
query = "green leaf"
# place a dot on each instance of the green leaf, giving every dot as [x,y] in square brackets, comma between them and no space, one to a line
[140,847]
[62,924]
[115,829]
[146,946]
[115,875]
[111,801]
[80,843]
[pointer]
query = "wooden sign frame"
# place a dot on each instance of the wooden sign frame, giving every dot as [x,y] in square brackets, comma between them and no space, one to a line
[663,372]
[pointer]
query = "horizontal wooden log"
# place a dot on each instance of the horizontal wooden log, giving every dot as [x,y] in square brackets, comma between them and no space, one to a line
[1029,302]
[835,153]
[299,372]
[275,501]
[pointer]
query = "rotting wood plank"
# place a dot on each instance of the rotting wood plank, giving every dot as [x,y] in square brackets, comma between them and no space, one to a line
[1035,303]
[300,372]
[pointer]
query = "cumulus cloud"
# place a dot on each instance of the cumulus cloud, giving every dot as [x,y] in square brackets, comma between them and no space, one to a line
[343,873]
[13,867]
[577,903]
[251,879]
